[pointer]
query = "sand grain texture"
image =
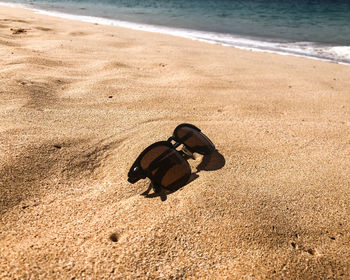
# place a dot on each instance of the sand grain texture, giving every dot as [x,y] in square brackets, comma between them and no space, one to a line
[80,101]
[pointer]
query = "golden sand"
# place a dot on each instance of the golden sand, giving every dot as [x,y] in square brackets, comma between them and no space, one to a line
[80,101]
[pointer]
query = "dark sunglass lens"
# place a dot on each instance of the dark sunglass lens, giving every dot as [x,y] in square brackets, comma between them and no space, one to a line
[173,171]
[149,155]
[194,139]
[155,154]
[165,166]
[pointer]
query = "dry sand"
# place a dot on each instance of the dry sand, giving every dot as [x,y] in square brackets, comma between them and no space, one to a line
[80,101]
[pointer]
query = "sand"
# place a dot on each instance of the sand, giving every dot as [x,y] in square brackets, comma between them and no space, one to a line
[80,101]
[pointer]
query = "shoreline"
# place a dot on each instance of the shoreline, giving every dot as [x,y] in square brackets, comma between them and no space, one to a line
[80,101]
[298,49]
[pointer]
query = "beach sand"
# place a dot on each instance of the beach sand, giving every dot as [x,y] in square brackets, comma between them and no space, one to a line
[80,101]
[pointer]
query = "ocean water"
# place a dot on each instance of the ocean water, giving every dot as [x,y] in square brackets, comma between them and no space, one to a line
[317,29]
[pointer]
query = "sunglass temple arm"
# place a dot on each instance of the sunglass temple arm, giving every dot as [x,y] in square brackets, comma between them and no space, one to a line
[155,187]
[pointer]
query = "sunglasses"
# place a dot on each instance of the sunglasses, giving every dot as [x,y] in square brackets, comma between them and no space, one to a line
[166,166]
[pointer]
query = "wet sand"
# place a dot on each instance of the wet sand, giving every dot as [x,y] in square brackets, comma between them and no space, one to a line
[80,101]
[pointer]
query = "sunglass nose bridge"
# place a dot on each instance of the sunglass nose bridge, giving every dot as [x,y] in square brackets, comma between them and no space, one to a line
[187,152]
[171,138]
[176,144]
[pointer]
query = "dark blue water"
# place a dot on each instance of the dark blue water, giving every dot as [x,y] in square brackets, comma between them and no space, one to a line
[302,27]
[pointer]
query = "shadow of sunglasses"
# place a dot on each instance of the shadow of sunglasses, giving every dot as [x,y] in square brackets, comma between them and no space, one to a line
[167,167]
